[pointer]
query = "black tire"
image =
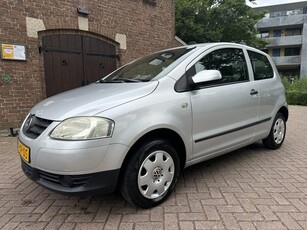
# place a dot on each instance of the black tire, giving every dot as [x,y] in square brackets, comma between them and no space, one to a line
[277,133]
[159,174]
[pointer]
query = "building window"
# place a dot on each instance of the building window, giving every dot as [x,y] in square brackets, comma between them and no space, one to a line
[289,72]
[265,50]
[288,13]
[292,51]
[278,14]
[295,12]
[264,34]
[293,32]
[276,52]
[276,33]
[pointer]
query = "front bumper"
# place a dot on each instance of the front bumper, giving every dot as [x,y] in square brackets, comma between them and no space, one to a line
[72,167]
[73,157]
[86,184]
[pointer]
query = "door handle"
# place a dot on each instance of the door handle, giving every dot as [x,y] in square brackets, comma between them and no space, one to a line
[253,92]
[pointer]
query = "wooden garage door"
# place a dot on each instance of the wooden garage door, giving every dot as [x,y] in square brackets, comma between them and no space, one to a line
[71,61]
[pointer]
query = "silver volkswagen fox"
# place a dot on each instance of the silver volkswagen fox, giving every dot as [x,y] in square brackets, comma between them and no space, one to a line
[138,127]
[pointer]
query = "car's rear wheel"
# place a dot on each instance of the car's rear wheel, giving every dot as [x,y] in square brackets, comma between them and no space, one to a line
[277,133]
[151,174]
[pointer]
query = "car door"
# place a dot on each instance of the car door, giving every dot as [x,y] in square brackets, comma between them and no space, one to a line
[270,89]
[224,111]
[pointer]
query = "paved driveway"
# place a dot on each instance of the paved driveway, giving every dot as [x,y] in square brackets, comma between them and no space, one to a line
[252,188]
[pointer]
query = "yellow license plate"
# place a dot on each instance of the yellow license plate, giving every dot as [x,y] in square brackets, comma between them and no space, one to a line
[24,151]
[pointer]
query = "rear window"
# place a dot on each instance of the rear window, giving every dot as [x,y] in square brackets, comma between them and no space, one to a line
[261,66]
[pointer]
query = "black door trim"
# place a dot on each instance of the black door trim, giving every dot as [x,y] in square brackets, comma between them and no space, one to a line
[233,130]
[58,50]
[103,55]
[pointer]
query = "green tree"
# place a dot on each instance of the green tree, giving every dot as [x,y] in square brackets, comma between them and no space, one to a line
[199,21]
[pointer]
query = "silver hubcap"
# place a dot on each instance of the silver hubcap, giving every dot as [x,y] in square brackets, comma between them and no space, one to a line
[279,130]
[156,174]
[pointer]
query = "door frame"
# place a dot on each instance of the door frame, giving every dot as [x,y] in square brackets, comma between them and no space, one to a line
[69,32]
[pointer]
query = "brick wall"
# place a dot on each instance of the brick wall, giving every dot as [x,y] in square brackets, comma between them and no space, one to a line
[140,26]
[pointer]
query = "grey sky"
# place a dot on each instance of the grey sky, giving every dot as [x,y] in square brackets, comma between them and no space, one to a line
[273,2]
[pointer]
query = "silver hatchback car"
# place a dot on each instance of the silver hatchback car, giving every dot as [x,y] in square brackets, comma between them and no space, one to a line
[138,127]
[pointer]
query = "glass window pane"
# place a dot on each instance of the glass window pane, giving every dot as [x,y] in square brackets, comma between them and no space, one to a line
[264,34]
[147,68]
[276,33]
[293,32]
[292,51]
[230,62]
[276,52]
[261,66]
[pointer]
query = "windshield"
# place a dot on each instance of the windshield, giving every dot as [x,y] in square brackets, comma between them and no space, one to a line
[147,68]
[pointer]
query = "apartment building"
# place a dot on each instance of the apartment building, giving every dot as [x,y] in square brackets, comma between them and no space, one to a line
[285,28]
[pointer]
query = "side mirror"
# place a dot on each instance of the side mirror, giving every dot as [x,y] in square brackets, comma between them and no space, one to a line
[207,76]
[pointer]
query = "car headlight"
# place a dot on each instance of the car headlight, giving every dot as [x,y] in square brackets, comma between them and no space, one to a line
[83,128]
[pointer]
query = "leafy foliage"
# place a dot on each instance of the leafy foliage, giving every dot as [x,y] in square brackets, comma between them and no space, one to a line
[199,21]
[296,91]
[296,98]
[295,83]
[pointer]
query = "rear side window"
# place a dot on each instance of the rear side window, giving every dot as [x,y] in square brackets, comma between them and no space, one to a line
[261,66]
[229,61]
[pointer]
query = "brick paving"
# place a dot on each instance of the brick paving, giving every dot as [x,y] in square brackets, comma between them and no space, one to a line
[251,188]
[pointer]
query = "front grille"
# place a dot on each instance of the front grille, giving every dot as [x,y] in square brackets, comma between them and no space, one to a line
[64,180]
[67,181]
[34,126]
[49,176]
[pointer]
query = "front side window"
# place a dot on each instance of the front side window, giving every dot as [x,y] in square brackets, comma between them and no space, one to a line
[229,61]
[261,66]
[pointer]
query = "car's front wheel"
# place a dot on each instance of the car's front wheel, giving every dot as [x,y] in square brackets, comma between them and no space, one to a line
[151,174]
[277,133]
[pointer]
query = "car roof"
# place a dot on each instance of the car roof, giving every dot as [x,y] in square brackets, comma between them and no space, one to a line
[213,44]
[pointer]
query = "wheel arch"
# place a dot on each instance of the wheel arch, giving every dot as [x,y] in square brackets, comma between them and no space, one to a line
[284,111]
[161,133]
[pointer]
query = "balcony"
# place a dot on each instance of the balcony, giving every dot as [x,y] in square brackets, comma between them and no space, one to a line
[285,41]
[284,21]
[287,60]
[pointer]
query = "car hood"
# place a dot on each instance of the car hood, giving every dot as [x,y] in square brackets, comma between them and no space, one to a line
[91,100]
